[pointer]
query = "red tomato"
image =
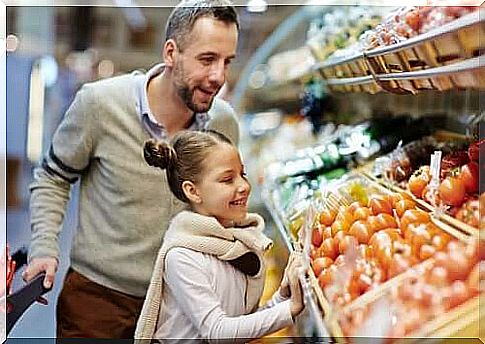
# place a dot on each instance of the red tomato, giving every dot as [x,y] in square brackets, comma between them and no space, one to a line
[452,191]
[379,204]
[360,231]
[321,263]
[469,177]
[317,236]
[327,217]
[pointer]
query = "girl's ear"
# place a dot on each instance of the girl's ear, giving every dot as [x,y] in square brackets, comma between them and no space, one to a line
[170,53]
[191,192]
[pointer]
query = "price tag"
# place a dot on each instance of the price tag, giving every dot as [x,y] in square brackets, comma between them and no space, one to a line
[435,169]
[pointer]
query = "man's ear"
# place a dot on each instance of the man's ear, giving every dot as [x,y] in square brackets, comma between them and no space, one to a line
[170,51]
[191,192]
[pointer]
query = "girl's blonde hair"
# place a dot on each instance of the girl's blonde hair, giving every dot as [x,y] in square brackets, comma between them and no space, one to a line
[183,157]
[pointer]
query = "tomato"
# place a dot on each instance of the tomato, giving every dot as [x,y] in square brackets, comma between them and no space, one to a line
[413,216]
[438,276]
[361,213]
[327,216]
[348,242]
[317,236]
[403,205]
[325,278]
[373,224]
[345,217]
[401,247]
[474,151]
[469,177]
[365,252]
[426,251]
[452,191]
[327,249]
[321,263]
[353,207]
[380,204]
[338,238]
[394,233]
[418,181]
[439,241]
[360,231]
[413,20]
[398,265]
[327,232]
[339,225]
[386,221]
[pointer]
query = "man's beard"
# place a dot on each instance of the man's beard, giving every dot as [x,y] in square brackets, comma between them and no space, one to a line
[187,94]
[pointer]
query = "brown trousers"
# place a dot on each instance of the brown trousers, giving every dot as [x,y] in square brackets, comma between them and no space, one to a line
[88,310]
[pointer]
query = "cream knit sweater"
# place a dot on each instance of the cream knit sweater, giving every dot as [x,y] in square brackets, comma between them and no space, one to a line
[204,234]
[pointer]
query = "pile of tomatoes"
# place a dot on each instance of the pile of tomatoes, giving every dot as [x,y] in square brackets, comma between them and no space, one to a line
[371,243]
[458,187]
[453,277]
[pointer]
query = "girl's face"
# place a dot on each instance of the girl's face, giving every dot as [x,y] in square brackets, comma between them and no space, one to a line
[223,188]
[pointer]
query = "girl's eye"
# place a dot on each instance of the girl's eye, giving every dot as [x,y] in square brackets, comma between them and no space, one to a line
[227,180]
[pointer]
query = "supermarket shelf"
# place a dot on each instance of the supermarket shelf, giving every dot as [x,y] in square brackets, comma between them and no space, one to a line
[332,62]
[460,23]
[459,67]
[363,80]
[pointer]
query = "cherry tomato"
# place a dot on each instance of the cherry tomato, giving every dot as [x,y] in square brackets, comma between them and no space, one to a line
[360,231]
[327,232]
[340,226]
[325,278]
[321,263]
[348,242]
[403,205]
[386,221]
[327,216]
[413,216]
[379,204]
[361,213]
[426,251]
[317,236]
[469,177]
[418,181]
[452,191]
[327,249]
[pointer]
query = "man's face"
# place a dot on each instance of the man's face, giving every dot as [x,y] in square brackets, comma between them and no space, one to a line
[200,69]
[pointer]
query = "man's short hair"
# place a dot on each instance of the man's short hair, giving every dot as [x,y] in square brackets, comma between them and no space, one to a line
[184,16]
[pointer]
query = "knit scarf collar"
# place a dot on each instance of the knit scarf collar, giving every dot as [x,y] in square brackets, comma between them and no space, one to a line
[205,234]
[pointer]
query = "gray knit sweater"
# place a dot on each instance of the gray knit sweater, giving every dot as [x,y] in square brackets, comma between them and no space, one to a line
[125,205]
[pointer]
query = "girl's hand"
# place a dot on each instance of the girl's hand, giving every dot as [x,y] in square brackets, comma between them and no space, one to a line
[285,291]
[294,272]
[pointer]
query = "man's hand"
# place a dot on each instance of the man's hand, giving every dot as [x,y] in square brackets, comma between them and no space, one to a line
[45,264]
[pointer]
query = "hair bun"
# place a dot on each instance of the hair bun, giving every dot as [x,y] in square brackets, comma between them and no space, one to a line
[159,154]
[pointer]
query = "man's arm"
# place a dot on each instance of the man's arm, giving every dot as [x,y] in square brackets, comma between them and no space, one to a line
[66,161]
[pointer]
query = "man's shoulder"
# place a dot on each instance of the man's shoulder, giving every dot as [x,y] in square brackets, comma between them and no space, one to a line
[222,109]
[115,86]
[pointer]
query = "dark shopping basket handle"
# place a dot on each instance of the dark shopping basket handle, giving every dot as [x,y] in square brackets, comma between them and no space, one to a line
[19,301]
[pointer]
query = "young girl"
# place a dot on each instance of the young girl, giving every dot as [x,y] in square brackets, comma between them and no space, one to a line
[209,274]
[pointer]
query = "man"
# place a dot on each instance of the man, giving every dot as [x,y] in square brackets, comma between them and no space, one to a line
[125,205]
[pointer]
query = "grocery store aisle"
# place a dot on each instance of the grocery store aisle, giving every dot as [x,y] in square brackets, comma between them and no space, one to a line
[39,320]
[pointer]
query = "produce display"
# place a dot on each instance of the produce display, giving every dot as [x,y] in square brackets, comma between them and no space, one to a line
[452,277]
[457,186]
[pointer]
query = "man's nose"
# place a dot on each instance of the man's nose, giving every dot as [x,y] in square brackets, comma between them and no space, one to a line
[217,74]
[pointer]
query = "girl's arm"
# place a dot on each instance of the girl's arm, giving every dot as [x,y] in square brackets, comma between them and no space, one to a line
[185,274]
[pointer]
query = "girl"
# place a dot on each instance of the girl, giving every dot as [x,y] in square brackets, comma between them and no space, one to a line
[209,274]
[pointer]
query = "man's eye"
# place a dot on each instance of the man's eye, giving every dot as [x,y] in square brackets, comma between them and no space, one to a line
[207,61]
[227,180]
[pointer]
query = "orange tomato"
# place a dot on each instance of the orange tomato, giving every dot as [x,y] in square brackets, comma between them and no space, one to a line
[360,231]
[418,181]
[327,232]
[327,249]
[361,213]
[452,191]
[338,238]
[353,207]
[325,278]
[327,216]
[339,225]
[426,251]
[348,242]
[403,205]
[317,236]
[386,221]
[379,204]
[413,216]
[319,264]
